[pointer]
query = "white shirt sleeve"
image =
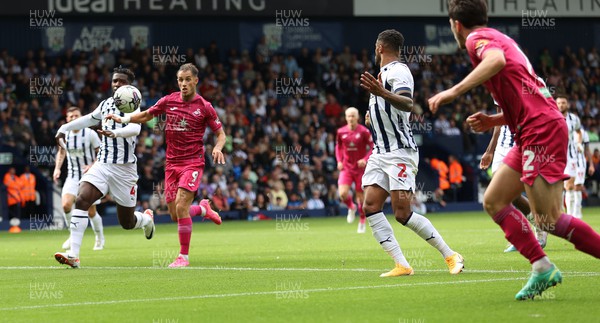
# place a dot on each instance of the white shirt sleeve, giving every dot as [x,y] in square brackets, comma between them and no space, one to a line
[86,121]
[400,80]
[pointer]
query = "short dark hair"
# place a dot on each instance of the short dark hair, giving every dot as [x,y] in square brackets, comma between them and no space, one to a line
[391,39]
[561,95]
[189,67]
[71,109]
[126,71]
[470,13]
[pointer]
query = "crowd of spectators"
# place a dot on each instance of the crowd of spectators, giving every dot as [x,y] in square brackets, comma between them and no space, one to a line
[280,112]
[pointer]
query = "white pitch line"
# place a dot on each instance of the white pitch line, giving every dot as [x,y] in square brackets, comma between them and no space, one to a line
[207,296]
[417,270]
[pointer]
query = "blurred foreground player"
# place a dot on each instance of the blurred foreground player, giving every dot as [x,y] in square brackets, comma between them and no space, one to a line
[352,154]
[539,156]
[187,116]
[393,165]
[114,172]
[500,144]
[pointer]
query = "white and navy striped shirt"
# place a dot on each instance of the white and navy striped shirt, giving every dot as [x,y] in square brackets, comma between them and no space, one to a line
[505,139]
[114,150]
[81,150]
[585,139]
[390,127]
[574,125]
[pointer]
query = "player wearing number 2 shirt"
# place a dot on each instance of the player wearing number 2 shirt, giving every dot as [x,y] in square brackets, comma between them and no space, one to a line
[187,116]
[392,167]
[538,158]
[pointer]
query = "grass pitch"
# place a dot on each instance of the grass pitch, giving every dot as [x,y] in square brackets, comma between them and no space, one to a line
[309,270]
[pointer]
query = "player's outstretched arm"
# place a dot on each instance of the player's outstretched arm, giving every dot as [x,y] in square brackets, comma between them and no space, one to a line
[217,153]
[139,117]
[375,87]
[493,61]
[130,130]
[86,121]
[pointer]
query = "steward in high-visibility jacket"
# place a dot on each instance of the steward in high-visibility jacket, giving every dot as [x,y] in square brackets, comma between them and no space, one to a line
[13,187]
[27,187]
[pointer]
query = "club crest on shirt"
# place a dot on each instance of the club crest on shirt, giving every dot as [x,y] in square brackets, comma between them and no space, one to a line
[197,112]
[357,136]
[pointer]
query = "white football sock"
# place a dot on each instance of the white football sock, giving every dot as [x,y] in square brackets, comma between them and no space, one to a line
[423,227]
[186,257]
[384,234]
[578,200]
[142,219]
[570,201]
[68,219]
[79,222]
[97,226]
[541,265]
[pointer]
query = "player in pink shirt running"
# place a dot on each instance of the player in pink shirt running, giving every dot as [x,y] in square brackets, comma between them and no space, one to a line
[352,154]
[539,155]
[187,116]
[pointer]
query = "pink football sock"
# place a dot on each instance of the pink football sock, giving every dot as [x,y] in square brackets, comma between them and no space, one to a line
[349,203]
[195,210]
[518,232]
[184,228]
[578,233]
[362,213]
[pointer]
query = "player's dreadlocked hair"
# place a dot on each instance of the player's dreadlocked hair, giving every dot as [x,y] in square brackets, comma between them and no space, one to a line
[189,67]
[391,39]
[126,71]
[470,13]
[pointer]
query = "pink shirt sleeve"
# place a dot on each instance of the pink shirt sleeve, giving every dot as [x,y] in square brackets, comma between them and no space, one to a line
[480,42]
[213,120]
[159,108]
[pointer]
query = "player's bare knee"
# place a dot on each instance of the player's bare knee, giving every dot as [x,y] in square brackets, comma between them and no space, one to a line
[67,206]
[370,207]
[128,225]
[181,209]
[402,213]
[569,186]
[82,204]
[491,206]
[343,195]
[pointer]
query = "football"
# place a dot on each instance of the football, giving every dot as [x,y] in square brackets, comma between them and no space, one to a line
[127,98]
